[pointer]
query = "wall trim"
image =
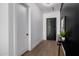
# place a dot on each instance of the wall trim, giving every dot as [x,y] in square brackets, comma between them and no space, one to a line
[29,18]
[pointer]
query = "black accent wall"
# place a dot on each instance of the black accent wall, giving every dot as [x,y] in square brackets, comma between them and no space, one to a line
[71,12]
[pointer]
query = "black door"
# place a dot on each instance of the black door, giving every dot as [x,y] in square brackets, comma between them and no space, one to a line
[51,28]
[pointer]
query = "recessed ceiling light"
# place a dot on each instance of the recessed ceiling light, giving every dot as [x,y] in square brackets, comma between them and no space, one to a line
[47,4]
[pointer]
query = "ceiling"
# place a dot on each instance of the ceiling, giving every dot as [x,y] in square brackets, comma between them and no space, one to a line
[51,8]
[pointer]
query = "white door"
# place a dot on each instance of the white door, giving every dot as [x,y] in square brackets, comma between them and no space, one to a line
[21,13]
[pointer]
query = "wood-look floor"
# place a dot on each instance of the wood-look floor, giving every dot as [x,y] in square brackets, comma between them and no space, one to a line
[45,48]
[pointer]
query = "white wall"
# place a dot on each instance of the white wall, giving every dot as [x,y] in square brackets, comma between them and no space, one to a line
[51,15]
[7,28]
[36,25]
[11,29]
[21,28]
[4,29]
[7,44]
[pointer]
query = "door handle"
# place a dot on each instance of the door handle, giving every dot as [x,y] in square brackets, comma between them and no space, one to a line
[26,38]
[27,34]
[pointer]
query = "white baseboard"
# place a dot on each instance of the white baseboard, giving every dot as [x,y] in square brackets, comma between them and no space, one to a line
[20,53]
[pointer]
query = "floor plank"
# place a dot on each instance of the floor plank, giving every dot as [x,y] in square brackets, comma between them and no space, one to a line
[45,48]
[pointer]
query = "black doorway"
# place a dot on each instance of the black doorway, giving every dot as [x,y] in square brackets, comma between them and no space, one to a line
[51,28]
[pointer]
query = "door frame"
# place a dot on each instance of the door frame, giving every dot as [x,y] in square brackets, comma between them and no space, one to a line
[46,26]
[14,29]
[29,29]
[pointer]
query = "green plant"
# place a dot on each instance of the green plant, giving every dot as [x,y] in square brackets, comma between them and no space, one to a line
[62,34]
[65,34]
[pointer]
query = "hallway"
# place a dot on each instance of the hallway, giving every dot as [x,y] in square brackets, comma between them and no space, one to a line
[45,48]
[26,27]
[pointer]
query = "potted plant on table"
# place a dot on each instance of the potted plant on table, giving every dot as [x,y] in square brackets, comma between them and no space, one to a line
[63,34]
